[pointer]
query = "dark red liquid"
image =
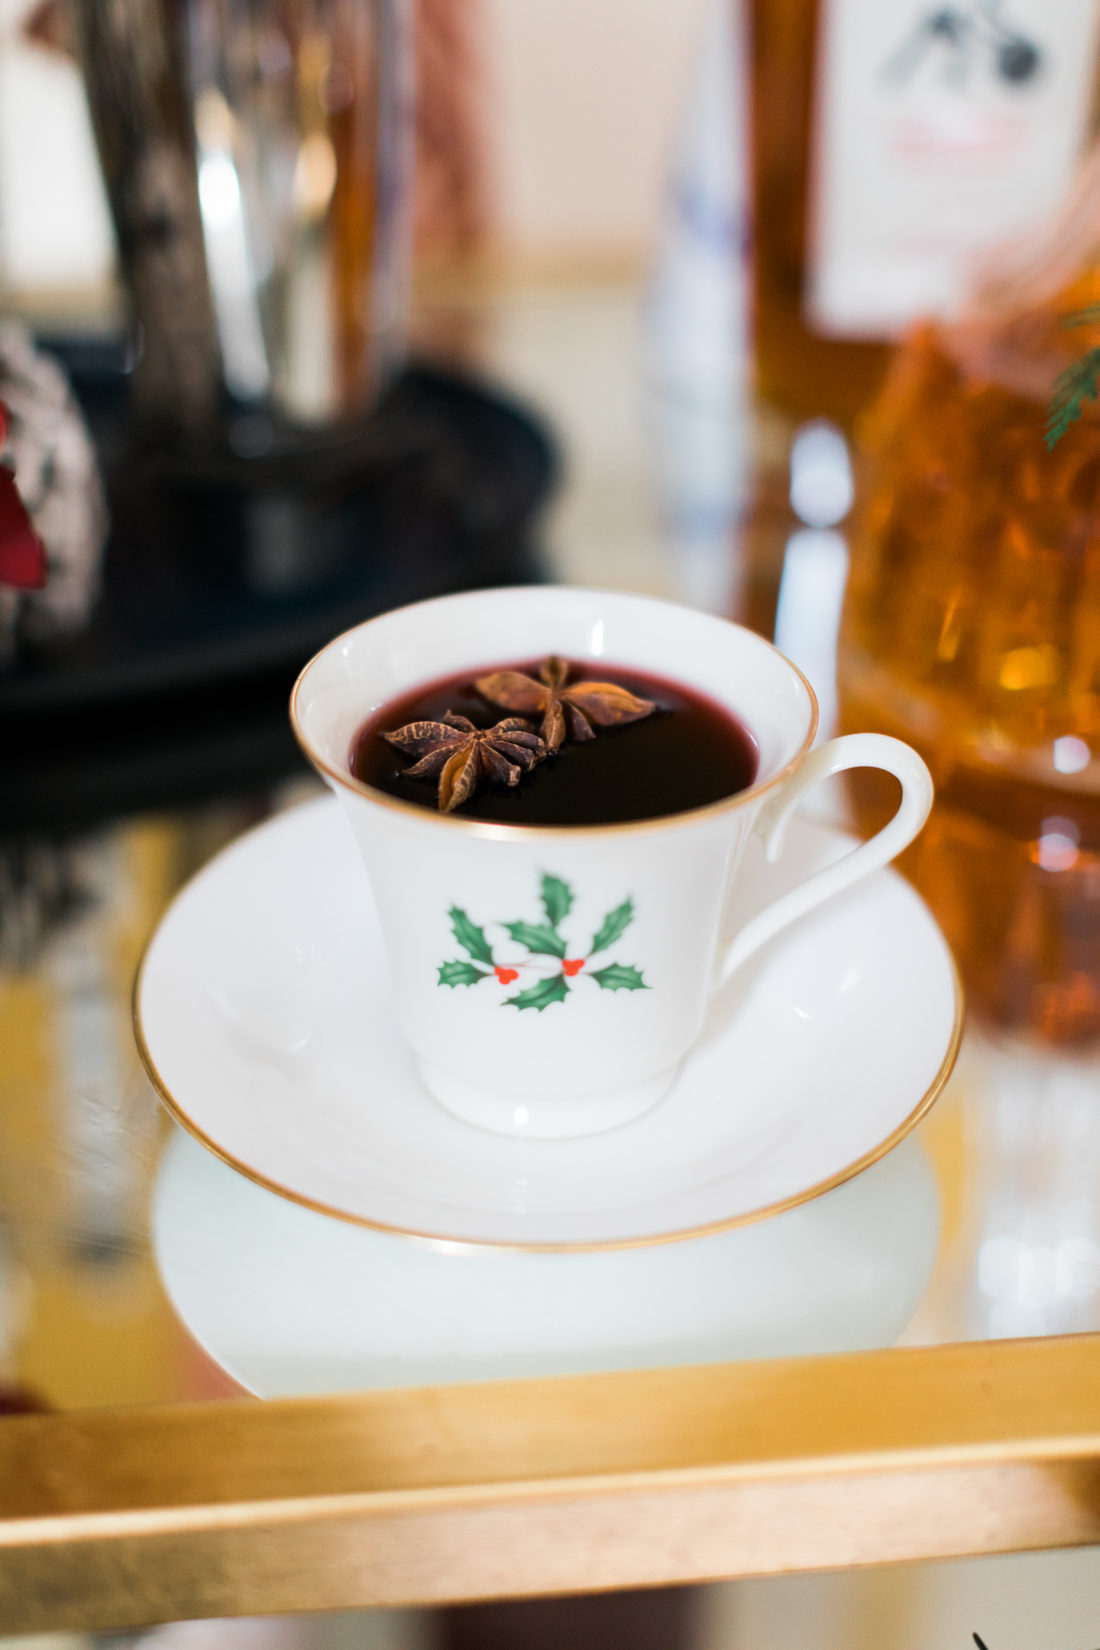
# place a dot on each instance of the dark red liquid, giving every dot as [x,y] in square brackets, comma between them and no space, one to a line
[689,752]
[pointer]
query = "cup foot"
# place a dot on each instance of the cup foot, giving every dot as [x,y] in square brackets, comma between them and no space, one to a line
[560,1119]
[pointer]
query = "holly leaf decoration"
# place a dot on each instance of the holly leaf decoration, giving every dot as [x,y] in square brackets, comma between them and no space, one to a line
[540,996]
[618,977]
[461,972]
[612,926]
[470,937]
[557,899]
[546,942]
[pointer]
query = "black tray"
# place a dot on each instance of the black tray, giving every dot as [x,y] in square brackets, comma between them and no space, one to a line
[223,576]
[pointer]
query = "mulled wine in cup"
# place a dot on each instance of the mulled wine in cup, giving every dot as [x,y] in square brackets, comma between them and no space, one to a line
[552,789]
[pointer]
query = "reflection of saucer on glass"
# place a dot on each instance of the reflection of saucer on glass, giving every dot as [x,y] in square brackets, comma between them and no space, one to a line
[291,1302]
[264,1018]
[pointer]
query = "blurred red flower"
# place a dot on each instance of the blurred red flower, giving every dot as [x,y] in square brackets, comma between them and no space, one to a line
[22,553]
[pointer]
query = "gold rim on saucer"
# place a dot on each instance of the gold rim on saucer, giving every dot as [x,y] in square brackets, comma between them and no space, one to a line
[709,1229]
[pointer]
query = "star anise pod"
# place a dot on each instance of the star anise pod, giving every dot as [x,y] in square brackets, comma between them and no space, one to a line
[561,703]
[462,755]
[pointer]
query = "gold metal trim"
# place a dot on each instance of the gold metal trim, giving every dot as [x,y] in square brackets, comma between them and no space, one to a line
[526,833]
[117,1518]
[485,1245]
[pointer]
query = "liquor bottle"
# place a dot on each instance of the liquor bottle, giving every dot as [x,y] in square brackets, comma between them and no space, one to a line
[894,140]
[972,627]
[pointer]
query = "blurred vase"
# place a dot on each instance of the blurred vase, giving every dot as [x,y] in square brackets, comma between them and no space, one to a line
[972,629]
[258,159]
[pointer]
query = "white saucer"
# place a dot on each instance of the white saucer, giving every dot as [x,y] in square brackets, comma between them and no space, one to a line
[292,1303]
[263,1018]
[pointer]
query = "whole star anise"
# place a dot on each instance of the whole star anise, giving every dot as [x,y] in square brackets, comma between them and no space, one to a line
[462,755]
[561,702]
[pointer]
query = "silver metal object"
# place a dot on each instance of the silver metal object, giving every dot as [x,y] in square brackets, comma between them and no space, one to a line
[302,115]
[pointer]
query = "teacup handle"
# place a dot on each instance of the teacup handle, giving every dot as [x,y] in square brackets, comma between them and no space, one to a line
[854,750]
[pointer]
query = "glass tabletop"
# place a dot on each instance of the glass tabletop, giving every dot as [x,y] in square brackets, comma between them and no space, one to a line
[135,1267]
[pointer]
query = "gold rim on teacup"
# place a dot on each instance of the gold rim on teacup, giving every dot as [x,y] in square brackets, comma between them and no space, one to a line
[502,833]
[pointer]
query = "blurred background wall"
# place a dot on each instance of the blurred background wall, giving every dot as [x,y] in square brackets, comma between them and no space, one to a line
[516,141]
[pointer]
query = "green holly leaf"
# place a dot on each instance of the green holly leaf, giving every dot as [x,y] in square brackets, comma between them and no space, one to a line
[547,942]
[619,977]
[612,926]
[460,972]
[557,898]
[470,937]
[551,990]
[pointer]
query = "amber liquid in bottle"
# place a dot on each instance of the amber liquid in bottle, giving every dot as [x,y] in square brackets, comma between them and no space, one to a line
[799,370]
[972,631]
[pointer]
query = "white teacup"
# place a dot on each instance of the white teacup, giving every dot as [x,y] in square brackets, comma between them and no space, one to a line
[637,909]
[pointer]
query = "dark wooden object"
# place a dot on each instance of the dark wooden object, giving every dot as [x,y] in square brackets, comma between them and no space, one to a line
[131,51]
[663,1618]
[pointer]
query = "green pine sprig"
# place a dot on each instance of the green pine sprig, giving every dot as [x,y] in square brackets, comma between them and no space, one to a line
[1072,388]
[1078,384]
